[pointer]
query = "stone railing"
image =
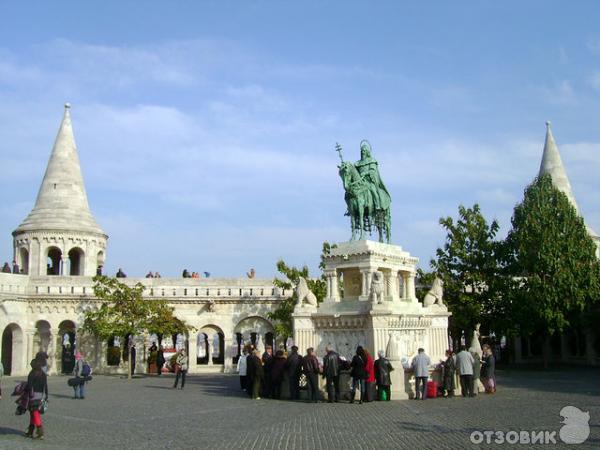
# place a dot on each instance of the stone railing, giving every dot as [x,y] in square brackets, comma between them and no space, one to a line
[224,288]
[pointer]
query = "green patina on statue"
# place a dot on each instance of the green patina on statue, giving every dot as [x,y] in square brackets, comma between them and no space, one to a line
[367,198]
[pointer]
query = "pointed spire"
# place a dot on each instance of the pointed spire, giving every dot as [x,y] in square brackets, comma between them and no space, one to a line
[552,165]
[62,200]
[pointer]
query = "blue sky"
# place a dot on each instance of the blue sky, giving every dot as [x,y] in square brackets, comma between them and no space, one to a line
[206,130]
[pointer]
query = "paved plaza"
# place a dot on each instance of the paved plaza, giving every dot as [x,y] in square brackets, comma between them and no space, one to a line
[146,413]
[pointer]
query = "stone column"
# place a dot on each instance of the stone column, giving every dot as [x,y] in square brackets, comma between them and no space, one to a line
[363,282]
[410,287]
[335,287]
[30,351]
[209,348]
[228,355]
[63,262]
[193,353]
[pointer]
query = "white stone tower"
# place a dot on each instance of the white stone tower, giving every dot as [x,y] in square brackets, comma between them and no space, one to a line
[553,166]
[60,236]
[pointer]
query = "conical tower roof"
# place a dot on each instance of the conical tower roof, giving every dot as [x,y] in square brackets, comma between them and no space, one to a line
[62,202]
[552,165]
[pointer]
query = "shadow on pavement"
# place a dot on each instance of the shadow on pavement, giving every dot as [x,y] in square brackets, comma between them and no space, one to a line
[4,430]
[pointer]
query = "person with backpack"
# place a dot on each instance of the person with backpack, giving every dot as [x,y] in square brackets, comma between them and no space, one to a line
[82,371]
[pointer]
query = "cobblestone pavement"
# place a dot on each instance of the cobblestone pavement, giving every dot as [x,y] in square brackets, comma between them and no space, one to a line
[146,413]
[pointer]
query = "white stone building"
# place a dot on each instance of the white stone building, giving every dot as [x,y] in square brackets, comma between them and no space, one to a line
[59,247]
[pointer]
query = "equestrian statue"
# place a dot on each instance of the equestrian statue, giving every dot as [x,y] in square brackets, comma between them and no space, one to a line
[367,198]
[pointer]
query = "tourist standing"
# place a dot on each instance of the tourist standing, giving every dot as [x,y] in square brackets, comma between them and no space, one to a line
[181,368]
[277,371]
[242,367]
[464,365]
[420,365]
[331,373]
[6,268]
[310,366]
[449,368]
[358,374]
[294,371]
[81,371]
[15,267]
[267,360]
[256,374]
[121,274]
[488,370]
[160,360]
[37,383]
[383,376]
[369,377]
[133,356]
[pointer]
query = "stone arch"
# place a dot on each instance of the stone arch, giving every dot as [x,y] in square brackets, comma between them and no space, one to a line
[12,349]
[99,262]
[254,330]
[76,261]
[23,260]
[211,345]
[53,260]
[67,344]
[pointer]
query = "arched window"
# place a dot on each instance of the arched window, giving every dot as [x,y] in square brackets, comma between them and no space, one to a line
[76,261]
[54,260]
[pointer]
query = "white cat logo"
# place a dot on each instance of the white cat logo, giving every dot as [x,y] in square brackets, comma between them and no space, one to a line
[576,427]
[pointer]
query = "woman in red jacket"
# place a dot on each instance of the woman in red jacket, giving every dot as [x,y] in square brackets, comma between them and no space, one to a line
[369,377]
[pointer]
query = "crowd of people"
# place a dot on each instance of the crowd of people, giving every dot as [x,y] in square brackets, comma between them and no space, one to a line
[262,376]
[15,268]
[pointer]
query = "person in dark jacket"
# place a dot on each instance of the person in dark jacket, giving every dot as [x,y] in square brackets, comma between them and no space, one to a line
[382,376]
[267,360]
[160,359]
[449,369]
[310,367]
[256,374]
[488,370]
[293,366]
[277,372]
[358,374]
[37,383]
[331,373]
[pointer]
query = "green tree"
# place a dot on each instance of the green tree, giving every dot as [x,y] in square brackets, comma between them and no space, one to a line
[124,311]
[282,315]
[468,265]
[551,257]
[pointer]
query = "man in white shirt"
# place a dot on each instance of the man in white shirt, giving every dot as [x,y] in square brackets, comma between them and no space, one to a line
[420,365]
[464,365]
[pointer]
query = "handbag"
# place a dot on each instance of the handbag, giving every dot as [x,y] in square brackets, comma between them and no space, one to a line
[43,406]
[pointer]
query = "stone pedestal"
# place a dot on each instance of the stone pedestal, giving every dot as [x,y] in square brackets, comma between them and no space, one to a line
[371,302]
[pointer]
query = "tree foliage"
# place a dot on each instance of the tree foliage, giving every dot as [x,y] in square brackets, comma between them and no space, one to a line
[282,315]
[551,255]
[468,265]
[124,311]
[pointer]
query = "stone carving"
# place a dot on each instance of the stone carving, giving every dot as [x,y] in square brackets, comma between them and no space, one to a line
[392,350]
[210,306]
[435,295]
[367,198]
[304,294]
[376,293]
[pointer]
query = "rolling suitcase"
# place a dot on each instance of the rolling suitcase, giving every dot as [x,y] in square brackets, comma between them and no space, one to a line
[432,389]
